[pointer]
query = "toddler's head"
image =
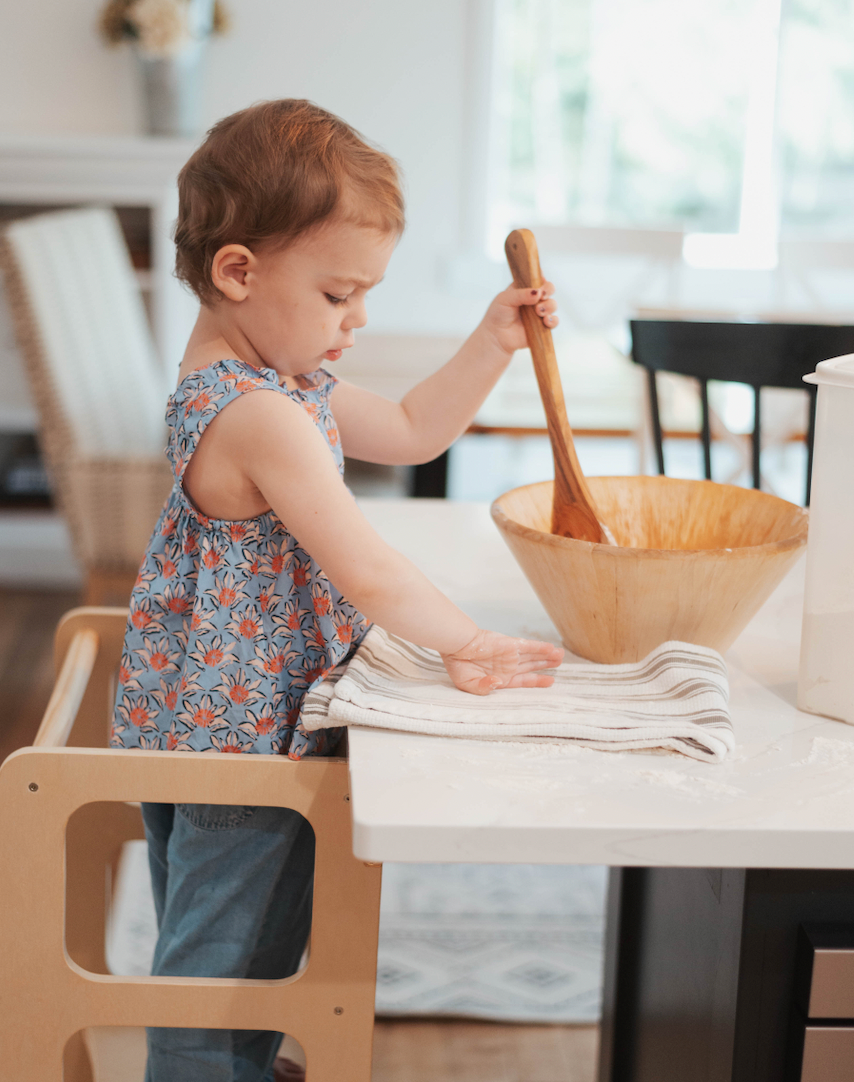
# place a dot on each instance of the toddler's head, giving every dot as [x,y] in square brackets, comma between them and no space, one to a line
[286,217]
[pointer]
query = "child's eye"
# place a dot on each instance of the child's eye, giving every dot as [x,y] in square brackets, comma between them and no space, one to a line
[335,300]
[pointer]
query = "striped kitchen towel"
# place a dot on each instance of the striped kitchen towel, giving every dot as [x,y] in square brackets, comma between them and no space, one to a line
[676,698]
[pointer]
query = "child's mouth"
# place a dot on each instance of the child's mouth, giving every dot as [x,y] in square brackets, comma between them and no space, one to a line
[333,354]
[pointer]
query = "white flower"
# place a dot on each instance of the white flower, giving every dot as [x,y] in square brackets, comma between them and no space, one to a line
[162,24]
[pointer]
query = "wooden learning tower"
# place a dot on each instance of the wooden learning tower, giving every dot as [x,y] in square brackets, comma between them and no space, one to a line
[68,803]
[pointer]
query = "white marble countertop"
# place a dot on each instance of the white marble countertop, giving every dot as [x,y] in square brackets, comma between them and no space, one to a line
[785,798]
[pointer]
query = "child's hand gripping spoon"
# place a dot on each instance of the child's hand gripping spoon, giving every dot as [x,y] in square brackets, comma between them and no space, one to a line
[573,511]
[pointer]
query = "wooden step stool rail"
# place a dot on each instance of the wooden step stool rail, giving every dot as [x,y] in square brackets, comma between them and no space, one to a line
[47,997]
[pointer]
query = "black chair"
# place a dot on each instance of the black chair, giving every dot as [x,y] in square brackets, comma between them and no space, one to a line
[758,354]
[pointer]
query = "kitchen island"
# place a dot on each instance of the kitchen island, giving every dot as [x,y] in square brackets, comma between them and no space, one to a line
[716,867]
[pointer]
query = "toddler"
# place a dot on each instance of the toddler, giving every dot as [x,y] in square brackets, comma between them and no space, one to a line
[262,574]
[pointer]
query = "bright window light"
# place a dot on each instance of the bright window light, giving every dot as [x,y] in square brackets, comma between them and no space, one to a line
[732,119]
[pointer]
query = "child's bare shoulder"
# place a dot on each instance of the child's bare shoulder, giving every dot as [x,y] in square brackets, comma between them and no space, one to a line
[261,414]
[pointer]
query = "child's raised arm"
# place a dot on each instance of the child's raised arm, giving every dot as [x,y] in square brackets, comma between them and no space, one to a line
[440,408]
[281,451]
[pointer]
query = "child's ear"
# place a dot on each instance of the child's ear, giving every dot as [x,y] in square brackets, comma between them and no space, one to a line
[229,271]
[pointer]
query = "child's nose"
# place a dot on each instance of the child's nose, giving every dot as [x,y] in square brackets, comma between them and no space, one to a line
[357,316]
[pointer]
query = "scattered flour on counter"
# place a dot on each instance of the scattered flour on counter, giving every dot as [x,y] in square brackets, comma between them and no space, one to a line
[522,750]
[688,784]
[523,783]
[827,752]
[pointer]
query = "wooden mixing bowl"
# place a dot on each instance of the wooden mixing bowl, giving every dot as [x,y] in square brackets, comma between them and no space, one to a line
[695,561]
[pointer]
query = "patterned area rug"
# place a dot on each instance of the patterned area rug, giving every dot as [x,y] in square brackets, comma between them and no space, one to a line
[508,942]
[504,942]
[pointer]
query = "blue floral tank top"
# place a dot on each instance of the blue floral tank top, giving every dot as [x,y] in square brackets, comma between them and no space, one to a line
[231,622]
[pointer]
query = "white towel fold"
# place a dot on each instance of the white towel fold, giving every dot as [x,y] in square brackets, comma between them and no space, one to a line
[676,698]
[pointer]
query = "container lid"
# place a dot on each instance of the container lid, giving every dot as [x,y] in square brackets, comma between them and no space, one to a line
[838,371]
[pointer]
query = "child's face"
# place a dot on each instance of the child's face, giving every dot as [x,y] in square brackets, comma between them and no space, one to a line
[303,303]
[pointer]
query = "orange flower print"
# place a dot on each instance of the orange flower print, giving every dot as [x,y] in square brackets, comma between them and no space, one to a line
[128,674]
[321,600]
[260,724]
[237,688]
[204,714]
[232,743]
[311,673]
[144,580]
[176,741]
[213,653]
[292,617]
[175,599]
[166,696]
[245,624]
[212,554]
[190,684]
[201,621]
[158,655]
[268,599]
[198,403]
[168,561]
[137,712]
[230,622]
[143,617]
[253,563]
[227,591]
[271,660]
[279,552]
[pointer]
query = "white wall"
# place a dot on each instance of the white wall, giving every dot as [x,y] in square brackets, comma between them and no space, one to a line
[395,69]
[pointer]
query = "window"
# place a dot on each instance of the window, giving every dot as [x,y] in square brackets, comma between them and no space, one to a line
[731,118]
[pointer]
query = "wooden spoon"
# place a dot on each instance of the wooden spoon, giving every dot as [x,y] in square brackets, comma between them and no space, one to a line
[573,511]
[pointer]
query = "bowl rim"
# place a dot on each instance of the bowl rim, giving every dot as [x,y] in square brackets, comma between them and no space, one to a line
[504,522]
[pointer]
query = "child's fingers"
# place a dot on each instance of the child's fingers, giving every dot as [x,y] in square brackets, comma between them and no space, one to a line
[530,680]
[533,666]
[532,648]
[544,304]
[519,297]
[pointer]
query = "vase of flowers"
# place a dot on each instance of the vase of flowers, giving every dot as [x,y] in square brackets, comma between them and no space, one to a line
[168,37]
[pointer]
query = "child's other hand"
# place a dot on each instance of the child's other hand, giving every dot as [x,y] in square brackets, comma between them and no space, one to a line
[491,661]
[503,322]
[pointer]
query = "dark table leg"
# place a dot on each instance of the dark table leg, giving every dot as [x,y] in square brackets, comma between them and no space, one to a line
[430,479]
[700,967]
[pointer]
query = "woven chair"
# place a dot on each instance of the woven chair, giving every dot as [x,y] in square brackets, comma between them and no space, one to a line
[97,383]
[65,814]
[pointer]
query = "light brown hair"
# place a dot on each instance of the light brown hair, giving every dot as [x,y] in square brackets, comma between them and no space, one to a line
[272,172]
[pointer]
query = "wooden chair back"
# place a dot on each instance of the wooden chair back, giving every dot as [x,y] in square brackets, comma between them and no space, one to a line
[758,354]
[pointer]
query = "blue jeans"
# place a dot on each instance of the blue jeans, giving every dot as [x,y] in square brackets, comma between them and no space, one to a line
[232,890]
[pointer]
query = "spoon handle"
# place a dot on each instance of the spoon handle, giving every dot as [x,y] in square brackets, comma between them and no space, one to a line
[573,513]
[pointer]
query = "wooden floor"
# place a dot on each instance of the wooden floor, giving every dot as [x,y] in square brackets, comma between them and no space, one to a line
[27,622]
[431,1051]
[404,1051]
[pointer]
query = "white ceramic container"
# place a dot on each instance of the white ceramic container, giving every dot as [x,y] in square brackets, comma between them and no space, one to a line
[826,677]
